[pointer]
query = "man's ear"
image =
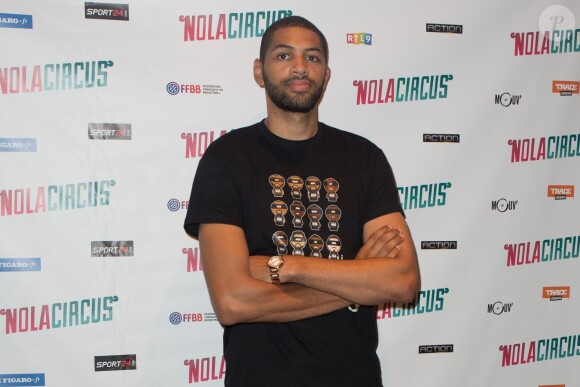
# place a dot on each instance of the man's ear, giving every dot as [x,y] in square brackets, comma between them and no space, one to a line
[258,77]
[326,77]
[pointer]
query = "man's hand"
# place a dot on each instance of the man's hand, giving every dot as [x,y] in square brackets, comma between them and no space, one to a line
[385,242]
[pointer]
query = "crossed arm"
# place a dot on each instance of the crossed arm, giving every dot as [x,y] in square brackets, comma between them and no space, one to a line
[385,269]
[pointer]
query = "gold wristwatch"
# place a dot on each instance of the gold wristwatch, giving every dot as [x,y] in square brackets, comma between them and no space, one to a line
[275,263]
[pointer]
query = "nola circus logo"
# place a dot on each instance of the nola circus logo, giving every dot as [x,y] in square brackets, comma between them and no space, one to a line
[17,145]
[54,77]
[544,148]
[59,315]
[177,318]
[426,301]
[540,350]
[557,34]
[499,307]
[206,369]
[174,88]
[20,264]
[423,196]
[507,99]
[547,250]
[194,263]
[402,89]
[360,38]
[62,197]
[12,20]
[236,25]
[561,192]
[566,88]
[196,143]
[556,293]
[14,380]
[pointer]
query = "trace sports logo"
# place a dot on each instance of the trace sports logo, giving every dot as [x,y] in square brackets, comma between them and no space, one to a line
[175,318]
[174,205]
[172,88]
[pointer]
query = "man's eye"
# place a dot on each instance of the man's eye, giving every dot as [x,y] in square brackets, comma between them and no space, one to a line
[283,56]
[313,58]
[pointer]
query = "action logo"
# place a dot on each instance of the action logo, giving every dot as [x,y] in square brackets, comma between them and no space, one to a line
[116,363]
[21,380]
[547,250]
[503,205]
[196,143]
[444,28]
[545,148]
[423,196]
[108,11]
[59,315]
[506,99]
[438,245]
[499,307]
[360,38]
[566,88]
[237,25]
[452,138]
[426,301]
[442,348]
[55,197]
[556,293]
[109,131]
[402,89]
[17,145]
[561,192]
[206,369]
[540,350]
[51,77]
[11,20]
[111,248]
[20,264]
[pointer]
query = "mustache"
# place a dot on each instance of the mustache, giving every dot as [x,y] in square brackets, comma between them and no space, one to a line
[299,78]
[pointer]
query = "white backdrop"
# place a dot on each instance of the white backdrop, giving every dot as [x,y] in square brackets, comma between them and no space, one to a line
[98,152]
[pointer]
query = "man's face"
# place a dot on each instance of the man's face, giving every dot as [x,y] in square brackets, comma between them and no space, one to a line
[294,72]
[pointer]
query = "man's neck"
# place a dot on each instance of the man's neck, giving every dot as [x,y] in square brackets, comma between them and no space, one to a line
[292,126]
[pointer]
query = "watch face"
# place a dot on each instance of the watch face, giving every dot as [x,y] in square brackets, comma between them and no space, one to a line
[276,261]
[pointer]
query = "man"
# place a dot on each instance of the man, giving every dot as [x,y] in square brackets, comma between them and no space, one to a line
[300,231]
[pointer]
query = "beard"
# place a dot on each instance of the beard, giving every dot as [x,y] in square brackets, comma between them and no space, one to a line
[295,103]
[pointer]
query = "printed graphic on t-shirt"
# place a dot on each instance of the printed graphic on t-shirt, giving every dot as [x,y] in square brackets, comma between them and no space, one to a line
[300,206]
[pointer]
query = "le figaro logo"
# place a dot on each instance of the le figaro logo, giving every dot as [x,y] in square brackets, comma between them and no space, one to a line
[12,20]
[17,145]
[20,264]
[17,380]
[54,77]
[235,25]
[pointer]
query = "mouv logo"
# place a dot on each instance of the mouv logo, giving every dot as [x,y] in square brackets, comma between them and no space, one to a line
[503,205]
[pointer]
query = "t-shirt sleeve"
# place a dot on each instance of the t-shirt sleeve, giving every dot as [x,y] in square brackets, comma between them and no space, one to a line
[383,196]
[215,195]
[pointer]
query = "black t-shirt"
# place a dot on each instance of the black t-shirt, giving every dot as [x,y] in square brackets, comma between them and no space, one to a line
[312,198]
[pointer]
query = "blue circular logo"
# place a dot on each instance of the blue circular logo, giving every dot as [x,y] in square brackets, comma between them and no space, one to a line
[172,88]
[173,205]
[175,318]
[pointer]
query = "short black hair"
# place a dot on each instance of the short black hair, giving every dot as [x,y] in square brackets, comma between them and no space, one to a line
[290,21]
